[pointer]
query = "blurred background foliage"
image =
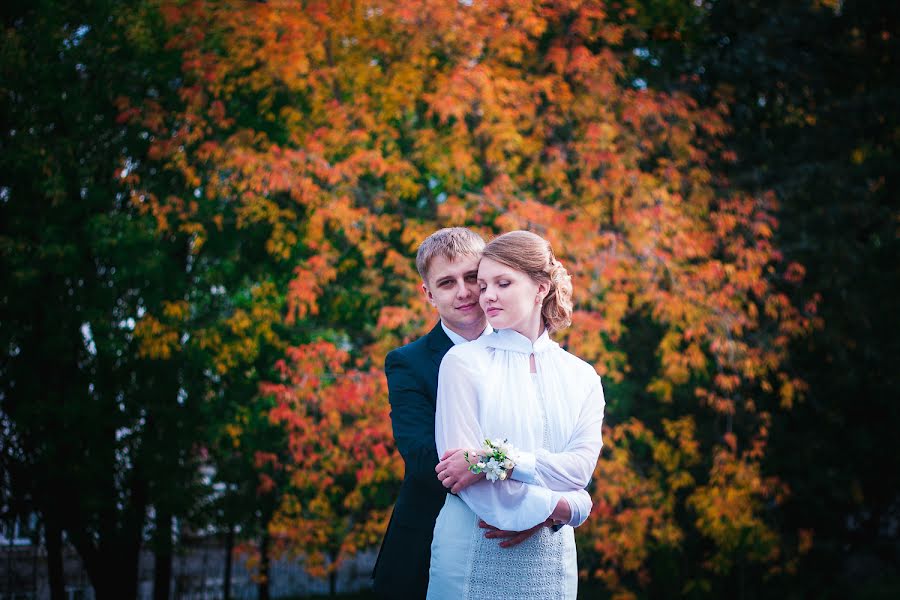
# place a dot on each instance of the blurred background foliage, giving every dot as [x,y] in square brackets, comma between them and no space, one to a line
[209,211]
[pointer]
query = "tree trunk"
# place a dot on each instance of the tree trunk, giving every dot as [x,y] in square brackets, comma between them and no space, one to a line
[162,567]
[119,580]
[332,573]
[264,564]
[111,561]
[55,571]
[229,548]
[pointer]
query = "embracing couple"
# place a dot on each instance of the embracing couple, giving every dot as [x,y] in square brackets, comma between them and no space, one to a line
[495,518]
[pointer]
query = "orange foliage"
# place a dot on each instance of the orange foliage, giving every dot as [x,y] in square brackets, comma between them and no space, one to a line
[348,131]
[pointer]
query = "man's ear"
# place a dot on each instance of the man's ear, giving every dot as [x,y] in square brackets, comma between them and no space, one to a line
[427,293]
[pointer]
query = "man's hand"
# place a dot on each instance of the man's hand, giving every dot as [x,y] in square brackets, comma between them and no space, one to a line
[511,538]
[562,513]
[453,470]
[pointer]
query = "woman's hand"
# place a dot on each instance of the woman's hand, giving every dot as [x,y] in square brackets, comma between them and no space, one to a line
[453,470]
[562,514]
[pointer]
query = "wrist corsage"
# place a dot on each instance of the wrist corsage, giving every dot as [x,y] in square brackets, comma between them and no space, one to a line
[496,460]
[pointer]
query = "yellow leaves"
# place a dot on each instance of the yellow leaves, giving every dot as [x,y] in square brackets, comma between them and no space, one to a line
[282,241]
[176,311]
[197,233]
[156,340]
[728,512]
[234,431]
[786,393]
[677,362]
[635,505]
[238,347]
[661,388]
[236,339]
[790,390]
[401,183]
[682,432]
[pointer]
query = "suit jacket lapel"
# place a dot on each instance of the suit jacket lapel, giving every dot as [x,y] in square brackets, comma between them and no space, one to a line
[438,343]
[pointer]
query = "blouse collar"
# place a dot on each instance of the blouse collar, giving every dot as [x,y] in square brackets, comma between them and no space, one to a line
[508,339]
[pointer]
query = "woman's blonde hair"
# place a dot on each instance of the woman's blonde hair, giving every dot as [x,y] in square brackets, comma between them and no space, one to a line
[531,254]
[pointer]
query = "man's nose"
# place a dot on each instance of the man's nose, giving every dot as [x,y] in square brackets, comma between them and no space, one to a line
[462,290]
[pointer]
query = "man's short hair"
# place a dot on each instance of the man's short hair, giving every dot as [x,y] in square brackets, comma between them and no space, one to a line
[450,243]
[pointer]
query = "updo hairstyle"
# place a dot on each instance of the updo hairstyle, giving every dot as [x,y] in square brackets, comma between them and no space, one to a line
[531,254]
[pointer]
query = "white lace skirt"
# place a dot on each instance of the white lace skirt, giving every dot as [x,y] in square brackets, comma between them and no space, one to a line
[465,565]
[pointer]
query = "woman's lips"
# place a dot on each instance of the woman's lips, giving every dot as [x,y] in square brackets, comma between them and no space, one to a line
[491,311]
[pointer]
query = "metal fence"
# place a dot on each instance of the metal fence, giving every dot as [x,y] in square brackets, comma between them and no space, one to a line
[197,574]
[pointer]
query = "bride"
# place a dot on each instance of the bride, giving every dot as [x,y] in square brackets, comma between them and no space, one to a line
[516,387]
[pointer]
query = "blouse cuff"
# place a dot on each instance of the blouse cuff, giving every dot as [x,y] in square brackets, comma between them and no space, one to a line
[526,465]
[580,503]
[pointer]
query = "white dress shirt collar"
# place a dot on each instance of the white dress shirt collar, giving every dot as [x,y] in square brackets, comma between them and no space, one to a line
[458,339]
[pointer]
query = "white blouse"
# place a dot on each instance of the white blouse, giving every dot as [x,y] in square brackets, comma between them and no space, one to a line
[485,389]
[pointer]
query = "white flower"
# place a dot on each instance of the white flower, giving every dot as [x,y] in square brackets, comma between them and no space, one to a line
[493,469]
[496,459]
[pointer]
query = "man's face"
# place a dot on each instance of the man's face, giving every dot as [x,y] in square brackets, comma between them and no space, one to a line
[452,288]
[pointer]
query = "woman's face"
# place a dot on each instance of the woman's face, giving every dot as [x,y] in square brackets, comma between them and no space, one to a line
[510,298]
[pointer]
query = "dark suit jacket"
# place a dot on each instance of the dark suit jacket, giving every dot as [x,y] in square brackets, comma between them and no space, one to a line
[401,570]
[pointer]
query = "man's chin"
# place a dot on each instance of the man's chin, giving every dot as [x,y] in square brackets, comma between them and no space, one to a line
[471,321]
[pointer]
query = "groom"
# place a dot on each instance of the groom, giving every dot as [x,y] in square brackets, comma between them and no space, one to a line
[447,261]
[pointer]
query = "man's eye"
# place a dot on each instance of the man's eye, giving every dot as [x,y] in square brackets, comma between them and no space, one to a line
[471,278]
[444,284]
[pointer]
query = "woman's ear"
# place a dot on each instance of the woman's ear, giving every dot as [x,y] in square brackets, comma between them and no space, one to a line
[543,289]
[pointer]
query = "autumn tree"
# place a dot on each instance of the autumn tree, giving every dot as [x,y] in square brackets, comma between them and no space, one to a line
[227,217]
[811,89]
[352,129]
[341,456]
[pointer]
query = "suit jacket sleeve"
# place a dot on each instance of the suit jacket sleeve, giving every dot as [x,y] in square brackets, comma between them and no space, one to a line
[412,419]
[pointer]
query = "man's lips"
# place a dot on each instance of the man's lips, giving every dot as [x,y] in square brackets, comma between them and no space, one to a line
[467,307]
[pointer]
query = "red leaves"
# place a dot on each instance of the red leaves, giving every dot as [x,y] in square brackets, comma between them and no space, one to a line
[306,286]
[341,448]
